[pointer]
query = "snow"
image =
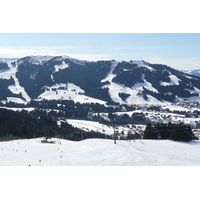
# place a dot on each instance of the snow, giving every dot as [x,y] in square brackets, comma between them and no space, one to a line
[173,81]
[110,75]
[114,88]
[19,109]
[196,90]
[173,107]
[41,59]
[91,126]
[8,73]
[152,100]
[195,98]
[139,86]
[16,89]
[33,75]
[36,60]
[60,67]
[189,77]
[8,60]
[141,63]
[68,91]
[146,84]
[168,93]
[195,72]
[149,86]
[74,60]
[99,152]
[134,98]
[191,91]
[16,100]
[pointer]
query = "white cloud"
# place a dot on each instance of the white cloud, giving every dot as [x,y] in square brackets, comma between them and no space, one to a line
[5,50]
[23,51]
[17,52]
[181,64]
[75,52]
[91,57]
[37,50]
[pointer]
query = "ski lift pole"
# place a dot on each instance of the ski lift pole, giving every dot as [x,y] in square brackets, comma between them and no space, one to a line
[81,134]
[114,139]
[114,136]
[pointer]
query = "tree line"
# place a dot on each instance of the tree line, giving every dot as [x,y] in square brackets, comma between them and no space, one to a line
[176,132]
[15,124]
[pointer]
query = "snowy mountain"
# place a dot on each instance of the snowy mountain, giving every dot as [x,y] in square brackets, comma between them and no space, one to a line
[195,72]
[65,78]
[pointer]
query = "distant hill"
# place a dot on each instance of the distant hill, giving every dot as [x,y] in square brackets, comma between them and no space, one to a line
[195,72]
[66,78]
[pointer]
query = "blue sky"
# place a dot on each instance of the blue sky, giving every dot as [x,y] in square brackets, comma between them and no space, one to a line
[178,50]
[164,32]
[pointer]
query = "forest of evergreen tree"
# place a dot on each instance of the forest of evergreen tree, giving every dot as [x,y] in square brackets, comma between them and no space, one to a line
[176,132]
[15,124]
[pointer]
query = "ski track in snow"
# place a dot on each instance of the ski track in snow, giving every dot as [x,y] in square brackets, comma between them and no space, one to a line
[173,81]
[140,63]
[113,88]
[134,98]
[99,152]
[60,67]
[110,75]
[17,89]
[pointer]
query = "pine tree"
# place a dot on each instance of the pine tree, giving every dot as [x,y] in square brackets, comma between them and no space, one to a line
[181,132]
[149,132]
[176,132]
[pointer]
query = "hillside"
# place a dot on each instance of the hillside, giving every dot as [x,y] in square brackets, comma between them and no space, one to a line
[105,82]
[106,94]
[15,124]
[195,72]
[99,152]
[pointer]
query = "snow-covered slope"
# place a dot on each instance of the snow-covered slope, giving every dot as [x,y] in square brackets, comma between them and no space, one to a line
[91,126]
[99,152]
[195,72]
[67,91]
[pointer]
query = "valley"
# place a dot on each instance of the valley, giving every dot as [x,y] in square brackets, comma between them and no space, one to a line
[116,96]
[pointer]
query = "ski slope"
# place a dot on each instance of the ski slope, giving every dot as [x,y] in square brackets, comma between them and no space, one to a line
[99,152]
[91,126]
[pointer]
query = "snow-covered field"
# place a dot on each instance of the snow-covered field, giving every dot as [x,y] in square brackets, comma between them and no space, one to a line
[87,125]
[91,126]
[99,152]
[68,91]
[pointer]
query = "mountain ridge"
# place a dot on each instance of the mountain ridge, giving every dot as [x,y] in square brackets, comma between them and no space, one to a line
[195,72]
[105,81]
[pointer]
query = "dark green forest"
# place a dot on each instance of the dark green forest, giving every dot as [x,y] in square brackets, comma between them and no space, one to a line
[15,124]
[176,132]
